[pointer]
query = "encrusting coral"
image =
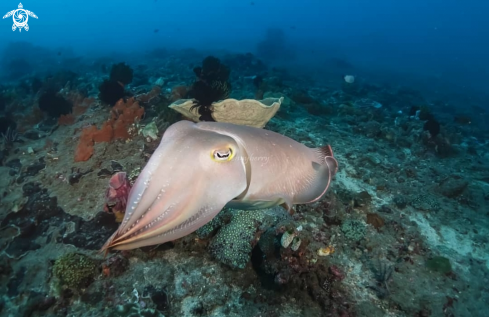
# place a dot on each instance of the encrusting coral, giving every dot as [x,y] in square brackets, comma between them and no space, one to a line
[123,115]
[234,242]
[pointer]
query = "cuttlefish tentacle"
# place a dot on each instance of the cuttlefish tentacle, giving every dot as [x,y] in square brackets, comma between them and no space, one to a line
[199,168]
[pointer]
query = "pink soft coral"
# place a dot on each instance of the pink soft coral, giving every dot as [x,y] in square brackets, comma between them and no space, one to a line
[116,195]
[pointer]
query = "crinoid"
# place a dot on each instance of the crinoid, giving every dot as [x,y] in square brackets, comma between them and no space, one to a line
[382,273]
[10,136]
[212,85]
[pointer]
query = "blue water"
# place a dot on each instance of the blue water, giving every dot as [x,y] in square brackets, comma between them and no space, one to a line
[441,41]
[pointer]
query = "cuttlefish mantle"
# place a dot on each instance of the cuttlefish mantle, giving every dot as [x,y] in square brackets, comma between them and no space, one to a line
[199,168]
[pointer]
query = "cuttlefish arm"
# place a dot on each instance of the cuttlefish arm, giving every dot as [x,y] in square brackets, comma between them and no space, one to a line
[187,181]
[199,168]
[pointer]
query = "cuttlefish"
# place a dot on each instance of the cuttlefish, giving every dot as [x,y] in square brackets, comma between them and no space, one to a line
[199,168]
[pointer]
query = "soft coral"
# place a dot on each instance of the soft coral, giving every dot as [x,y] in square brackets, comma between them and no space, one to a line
[123,115]
[116,195]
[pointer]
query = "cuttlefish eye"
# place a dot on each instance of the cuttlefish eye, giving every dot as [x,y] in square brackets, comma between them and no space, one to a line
[221,155]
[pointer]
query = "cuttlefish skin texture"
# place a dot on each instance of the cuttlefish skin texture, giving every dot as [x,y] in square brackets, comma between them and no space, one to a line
[199,168]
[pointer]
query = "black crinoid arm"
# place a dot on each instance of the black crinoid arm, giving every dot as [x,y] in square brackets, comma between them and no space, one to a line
[211,85]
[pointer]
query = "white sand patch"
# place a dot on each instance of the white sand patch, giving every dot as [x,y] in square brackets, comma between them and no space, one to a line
[356,279]
[460,244]
[355,185]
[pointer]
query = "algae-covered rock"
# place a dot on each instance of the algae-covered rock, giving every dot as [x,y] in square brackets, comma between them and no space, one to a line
[400,201]
[75,270]
[439,264]
[287,102]
[150,131]
[453,188]
[134,310]
[426,203]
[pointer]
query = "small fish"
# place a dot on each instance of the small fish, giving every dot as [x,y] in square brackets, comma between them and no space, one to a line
[463,120]
[252,3]
[368,103]
[156,30]
[349,79]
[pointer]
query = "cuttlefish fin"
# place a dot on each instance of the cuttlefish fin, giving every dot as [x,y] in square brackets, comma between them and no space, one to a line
[325,156]
[324,167]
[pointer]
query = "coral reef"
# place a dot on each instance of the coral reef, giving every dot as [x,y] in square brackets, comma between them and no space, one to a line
[211,85]
[353,229]
[121,73]
[403,232]
[111,92]
[116,195]
[54,105]
[439,264]
[233,243]
[123,115]
[75,271]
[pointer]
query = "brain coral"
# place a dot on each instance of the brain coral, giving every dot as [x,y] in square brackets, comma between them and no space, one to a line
[75,270]
[234,242]
[353,229]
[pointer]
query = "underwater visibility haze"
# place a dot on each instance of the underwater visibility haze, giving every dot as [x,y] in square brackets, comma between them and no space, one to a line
[244,158]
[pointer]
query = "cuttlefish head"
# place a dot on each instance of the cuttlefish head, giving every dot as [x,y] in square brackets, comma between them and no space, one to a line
[188,180]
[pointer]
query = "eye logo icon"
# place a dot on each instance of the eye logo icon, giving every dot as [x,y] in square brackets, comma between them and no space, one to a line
[20,17]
